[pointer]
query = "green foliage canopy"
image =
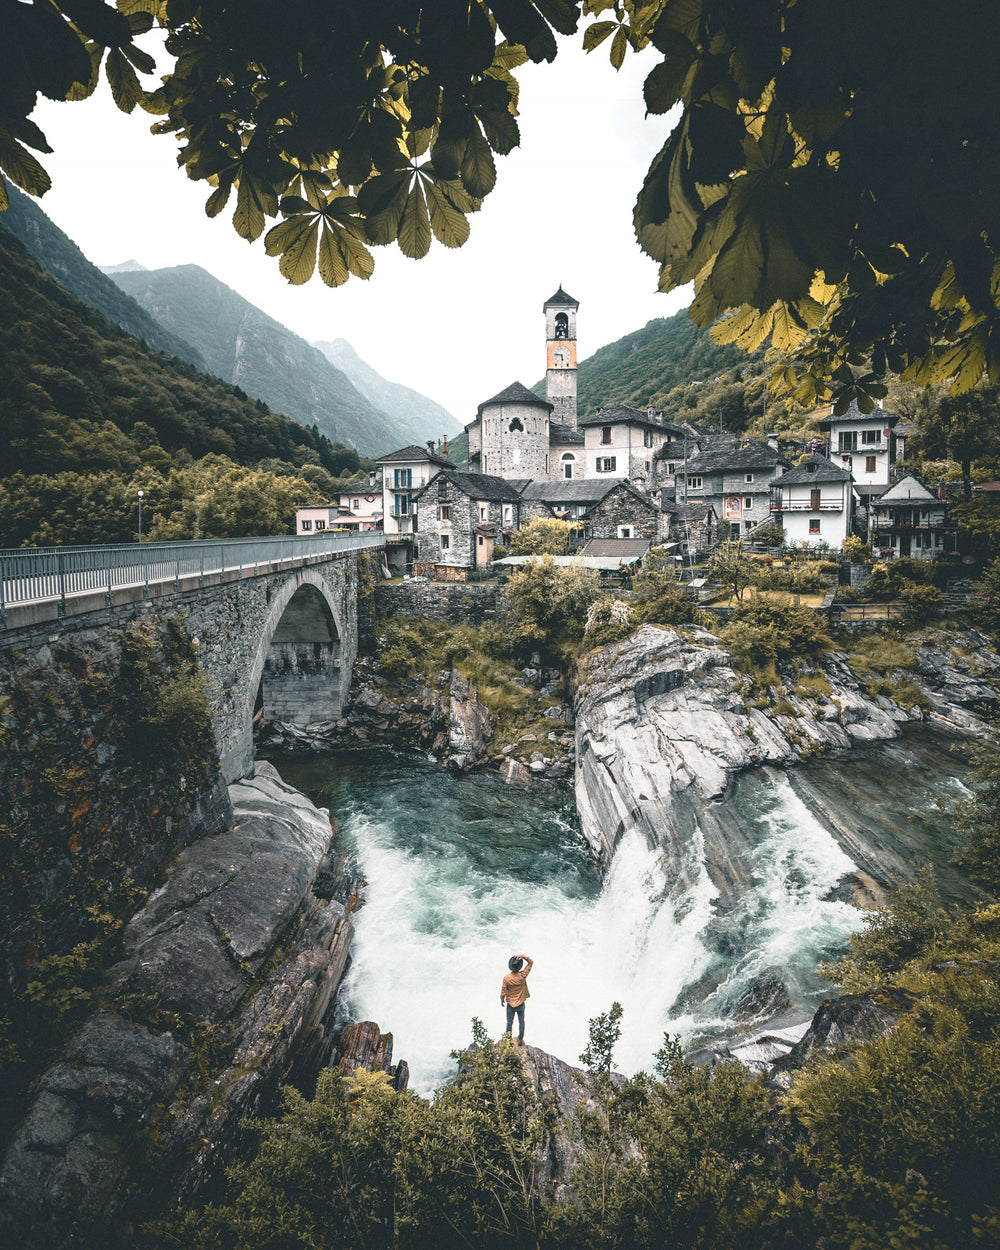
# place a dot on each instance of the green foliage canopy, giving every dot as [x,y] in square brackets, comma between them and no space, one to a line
[830,185]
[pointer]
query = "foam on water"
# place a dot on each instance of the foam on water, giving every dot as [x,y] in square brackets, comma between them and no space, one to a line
[464,871]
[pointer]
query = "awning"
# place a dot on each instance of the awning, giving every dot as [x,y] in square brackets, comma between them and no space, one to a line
[607,564]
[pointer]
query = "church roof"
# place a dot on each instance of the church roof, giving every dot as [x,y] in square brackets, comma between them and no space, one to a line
[516,393]
[561,297]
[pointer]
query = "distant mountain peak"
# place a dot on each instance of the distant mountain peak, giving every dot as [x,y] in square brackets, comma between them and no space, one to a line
[127,266]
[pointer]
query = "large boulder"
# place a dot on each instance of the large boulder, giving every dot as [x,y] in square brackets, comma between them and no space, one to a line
[224,991]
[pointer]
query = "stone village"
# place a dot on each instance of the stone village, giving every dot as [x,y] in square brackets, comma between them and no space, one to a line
[630,479]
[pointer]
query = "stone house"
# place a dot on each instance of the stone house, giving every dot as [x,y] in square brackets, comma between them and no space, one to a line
[814,502]
[908,519]
[623,442]
[694,527]
[404,474]
[735,479]
[460,518]
[605,508]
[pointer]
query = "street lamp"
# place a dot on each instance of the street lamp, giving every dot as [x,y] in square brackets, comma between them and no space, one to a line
[140,516]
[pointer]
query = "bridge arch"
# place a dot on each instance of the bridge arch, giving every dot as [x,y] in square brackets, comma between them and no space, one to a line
[301,670]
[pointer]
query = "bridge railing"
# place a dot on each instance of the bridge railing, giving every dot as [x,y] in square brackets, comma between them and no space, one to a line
[39,574]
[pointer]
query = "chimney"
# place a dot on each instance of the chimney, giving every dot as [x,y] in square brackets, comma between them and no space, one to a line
[772,441]
[446,447]
[430,446]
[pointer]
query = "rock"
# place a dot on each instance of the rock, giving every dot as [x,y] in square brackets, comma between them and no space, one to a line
[233,962]
[538,767]
[514,773]
[469,727]
[363,1045]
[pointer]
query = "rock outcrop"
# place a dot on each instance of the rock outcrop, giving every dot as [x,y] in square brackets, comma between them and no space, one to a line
[223,992]
[663,724]
[469,727]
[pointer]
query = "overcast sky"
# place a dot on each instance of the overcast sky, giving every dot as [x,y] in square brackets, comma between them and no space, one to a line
[459,325]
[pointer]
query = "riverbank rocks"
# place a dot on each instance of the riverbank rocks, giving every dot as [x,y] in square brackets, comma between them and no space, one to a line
[663,723]
[469,725]
[223,992]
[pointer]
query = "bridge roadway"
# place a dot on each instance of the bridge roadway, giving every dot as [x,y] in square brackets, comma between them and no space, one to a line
[49,583]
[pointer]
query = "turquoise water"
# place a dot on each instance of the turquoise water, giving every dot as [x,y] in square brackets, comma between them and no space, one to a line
[463,871]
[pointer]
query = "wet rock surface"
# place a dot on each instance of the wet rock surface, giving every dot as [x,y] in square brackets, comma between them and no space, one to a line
[223,992]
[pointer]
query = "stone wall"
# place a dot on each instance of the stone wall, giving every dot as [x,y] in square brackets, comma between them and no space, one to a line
[457,603]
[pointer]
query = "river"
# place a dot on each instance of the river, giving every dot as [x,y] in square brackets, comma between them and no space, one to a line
[464,870]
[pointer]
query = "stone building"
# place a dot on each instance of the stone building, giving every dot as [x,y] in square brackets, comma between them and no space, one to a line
[460,518]
[510,435]
[624,442]
[735,479]
[610,508]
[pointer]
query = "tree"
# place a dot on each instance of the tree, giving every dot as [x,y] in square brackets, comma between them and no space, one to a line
[543,535]
[962,428]
[830,184]
[548,605]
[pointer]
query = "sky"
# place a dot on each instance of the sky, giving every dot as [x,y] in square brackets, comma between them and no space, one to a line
[459,325]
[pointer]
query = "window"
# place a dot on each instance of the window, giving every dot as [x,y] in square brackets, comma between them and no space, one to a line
[871,436]
[401,505]
[567,470]
[307,525]
[321,525]
[355,504]
[672,467]
[402,478]
[481,540]
[508,514]
[606,435]
[445,542]
[606,464]
[747,502]
[814,525]
[516,426]
[444,512]
[748,477]
[484,512]
[870,463]
[624,531]
[647,438]
[848,440]
[748,525]
[694,482]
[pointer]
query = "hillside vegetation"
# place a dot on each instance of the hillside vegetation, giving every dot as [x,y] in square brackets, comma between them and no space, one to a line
[88,415]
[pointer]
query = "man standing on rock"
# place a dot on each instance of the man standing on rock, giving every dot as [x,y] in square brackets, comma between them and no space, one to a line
[514,993]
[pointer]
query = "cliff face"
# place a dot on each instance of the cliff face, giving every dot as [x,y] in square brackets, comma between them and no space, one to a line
[223,992]
[663,726]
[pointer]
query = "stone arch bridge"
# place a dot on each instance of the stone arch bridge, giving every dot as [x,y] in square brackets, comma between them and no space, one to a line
[275,620]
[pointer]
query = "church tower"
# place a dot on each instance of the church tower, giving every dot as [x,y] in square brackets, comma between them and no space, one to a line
[560,354]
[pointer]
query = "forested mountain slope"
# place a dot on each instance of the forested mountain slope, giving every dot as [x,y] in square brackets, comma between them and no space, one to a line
[245,346]
[59,254]
[88,415]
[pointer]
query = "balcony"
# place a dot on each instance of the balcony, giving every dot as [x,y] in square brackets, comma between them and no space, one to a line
[805,506]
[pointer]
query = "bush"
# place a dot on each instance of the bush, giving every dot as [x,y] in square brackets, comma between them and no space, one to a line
[792,633]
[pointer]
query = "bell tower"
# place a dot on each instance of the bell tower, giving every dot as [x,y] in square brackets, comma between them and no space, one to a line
[560,357]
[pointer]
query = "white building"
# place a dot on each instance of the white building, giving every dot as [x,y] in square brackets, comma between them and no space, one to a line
[404,473]
[910,520]
[623,442]
[814,502]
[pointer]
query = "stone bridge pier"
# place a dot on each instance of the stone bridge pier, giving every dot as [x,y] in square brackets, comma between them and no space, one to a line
[282,646]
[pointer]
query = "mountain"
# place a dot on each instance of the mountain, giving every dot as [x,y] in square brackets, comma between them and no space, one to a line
[80,395]
[61,256]
[422,414]
[245,346]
